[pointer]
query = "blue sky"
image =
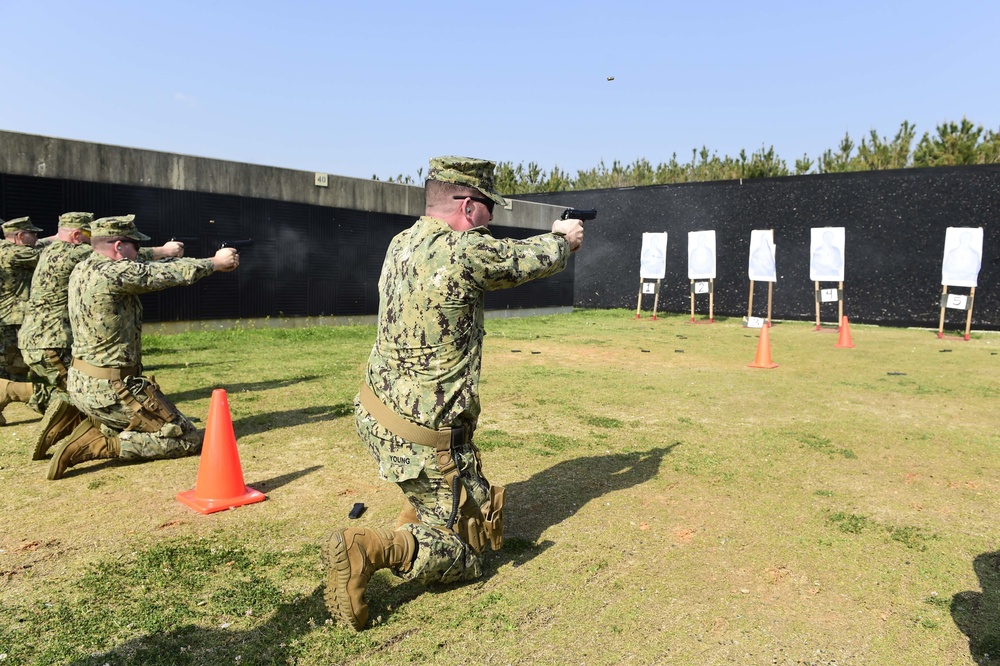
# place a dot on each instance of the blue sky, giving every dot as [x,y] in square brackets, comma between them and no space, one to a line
[376,88]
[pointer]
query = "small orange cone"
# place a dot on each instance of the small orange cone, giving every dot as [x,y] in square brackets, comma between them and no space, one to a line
[845,334]
[763,359]
[220,477]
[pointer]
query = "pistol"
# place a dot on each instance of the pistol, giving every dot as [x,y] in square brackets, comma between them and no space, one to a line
[577,214]
[236,244]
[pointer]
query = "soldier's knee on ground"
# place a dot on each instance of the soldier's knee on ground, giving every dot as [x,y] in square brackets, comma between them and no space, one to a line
[170,441]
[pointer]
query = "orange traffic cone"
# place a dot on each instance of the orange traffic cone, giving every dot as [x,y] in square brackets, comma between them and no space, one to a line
[763,359]
[845,334]
[220,477]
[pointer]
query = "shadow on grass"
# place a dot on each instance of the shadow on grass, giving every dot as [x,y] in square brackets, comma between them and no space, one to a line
[250,425]
[273,642]
[532,506]
[977,614]
[267,485]
[551,496]
[264,422]
[206,392]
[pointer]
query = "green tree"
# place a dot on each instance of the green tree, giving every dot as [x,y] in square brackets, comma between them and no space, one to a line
[840,161]
[989,149]
[882,154]
[803,165]
[954,144]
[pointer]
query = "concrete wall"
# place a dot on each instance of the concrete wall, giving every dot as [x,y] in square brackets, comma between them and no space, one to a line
[48,157]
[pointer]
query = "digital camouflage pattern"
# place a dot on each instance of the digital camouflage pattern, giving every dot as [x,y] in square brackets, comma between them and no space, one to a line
[441,555]
[46,329]
[16,265]
[76,221]
[47,379]
[46,318]
[426,362]
[17,262]
[467,171]
[106,318]
[427,357]
[122,226]
[19,224]
[95,398]
[8,350]
[105,312]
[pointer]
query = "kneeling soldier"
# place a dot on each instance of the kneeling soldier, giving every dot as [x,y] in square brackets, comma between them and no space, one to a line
[419,401]
[127,416]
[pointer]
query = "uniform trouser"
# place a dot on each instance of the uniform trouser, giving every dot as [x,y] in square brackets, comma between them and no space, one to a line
[11,364]
[46,377]
[95,398]
[442,556]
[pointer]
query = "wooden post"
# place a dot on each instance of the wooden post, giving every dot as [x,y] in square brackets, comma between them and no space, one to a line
[656,299]
[817,305]
[750,301]
[968,317]
[770,292]
[944,302]
[840,303]
[692,301]
[638,305]
[711,300]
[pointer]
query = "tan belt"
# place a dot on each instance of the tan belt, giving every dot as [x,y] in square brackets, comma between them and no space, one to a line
[98,372]
[408,430]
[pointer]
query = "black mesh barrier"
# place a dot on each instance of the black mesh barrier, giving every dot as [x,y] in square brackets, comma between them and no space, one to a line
[895,224]
[305,260]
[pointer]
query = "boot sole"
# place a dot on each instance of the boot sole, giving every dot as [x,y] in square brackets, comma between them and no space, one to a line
[338,567]
[41,446]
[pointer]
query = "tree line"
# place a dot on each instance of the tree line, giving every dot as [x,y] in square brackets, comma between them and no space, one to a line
[950,145]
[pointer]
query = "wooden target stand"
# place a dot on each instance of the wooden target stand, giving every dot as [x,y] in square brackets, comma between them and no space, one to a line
[702,287]
[828,296]
[770,297]
[956,302]
[648,287]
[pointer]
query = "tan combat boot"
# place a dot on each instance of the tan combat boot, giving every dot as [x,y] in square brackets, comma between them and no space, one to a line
[59,421]
[351,556]
[86,442]
[408,515]
[13,392]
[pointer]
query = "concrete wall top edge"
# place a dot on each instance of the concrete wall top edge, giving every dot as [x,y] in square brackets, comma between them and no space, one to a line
[51,157]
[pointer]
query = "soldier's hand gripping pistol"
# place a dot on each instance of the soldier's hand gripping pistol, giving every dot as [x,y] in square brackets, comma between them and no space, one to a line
[578,214]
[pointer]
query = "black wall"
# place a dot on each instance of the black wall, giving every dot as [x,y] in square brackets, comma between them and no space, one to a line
[306,260]
[895,225]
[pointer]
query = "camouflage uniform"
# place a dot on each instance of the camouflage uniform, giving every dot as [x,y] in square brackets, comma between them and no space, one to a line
[425,365]
[106,318]
[16,265]
[45,336]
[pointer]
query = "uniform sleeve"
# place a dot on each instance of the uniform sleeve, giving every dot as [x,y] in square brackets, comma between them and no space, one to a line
[25,256]
[494,263]
[139,277]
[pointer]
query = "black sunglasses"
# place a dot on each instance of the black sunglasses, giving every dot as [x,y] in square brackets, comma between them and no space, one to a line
[483,200]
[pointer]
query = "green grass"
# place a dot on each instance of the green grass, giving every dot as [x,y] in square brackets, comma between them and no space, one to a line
[663,507]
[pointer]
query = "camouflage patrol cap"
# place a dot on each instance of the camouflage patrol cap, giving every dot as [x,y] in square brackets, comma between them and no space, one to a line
[76,221]
[19,224]
[467,171]
[118,225]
